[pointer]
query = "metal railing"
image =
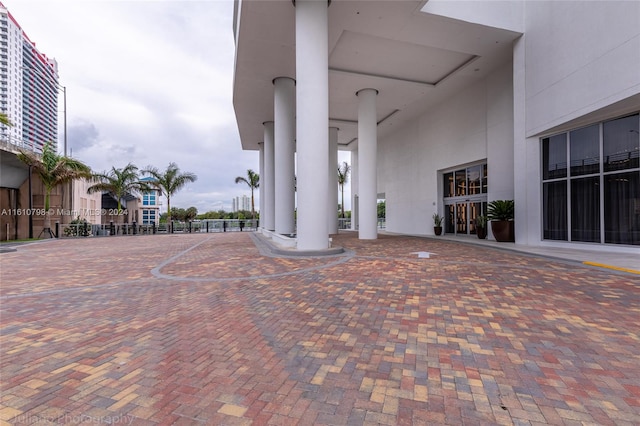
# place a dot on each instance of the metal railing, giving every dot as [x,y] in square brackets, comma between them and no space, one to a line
[346,223]
[200,226]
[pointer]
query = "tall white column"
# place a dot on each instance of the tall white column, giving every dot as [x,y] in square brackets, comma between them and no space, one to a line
[312,131]
[367,160]
[284,138]
[261,187]
[269,181]
[332,205]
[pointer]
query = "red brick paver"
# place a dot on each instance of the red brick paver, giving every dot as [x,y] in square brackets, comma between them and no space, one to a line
[207,329]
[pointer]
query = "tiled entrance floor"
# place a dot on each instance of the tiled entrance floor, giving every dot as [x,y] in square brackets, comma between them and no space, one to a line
[206,329]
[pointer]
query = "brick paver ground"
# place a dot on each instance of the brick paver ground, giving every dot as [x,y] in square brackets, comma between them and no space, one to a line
[208,329]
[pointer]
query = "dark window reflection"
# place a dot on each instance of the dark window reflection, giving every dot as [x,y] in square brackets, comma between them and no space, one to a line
[555,210]
[461,182]
[485,183]
[448,189]
[554,157]
[621,143]
[474,179]
[585,150]
[450,219]
[585,209]
[622,208]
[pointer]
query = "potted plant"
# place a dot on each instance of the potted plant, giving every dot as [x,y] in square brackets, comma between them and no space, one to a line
[481,227]
[437,224]
[501,214]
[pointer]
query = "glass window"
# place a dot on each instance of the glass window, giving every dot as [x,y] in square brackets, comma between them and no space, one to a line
[621,143]
[450,219]
[461,182]
[485,183]
[149,199]
[585,150]
[622,208]
[448,185]
[555,210]
[603,207]
[585,209]
[554,157]
[474,179]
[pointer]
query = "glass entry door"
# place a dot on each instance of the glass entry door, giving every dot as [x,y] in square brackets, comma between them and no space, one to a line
[460,217]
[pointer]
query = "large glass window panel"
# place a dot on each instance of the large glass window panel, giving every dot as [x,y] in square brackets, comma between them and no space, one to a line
[554,157]
[474,178]
[585,150]
[461,218]
[461,182]
[555,211]
[449,188]
[485,183]
[622,208]
[450,219]
[585,209]
[475,210]
[621,143]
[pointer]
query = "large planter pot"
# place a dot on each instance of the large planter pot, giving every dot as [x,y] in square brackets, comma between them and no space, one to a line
[437,230]
[503,231]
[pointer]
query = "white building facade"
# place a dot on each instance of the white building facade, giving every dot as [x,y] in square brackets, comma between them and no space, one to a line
[446,106]
[28,88]
[241,203]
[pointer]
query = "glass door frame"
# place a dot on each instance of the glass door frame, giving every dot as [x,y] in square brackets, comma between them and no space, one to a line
[469,225]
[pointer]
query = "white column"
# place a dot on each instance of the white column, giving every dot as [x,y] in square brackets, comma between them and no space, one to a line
[312,131]
[332,205]
[261,187]
[269,181]
[367,160]
[284,138]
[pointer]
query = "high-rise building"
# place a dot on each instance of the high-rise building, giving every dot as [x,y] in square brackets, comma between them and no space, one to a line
[241,203]
[28,88]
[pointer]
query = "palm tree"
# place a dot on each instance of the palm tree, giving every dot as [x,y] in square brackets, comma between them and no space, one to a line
[253,180]
[169,182]
[118,183]
[4,119]
[343,177]
[54,170]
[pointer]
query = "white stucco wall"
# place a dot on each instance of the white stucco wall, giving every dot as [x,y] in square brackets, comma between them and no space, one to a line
[475,124]
[580,56]
[575,59]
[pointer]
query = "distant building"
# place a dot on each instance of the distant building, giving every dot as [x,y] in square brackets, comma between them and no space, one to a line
[241,203]
[29,88]
[86,206]
[148,206]
[29,98]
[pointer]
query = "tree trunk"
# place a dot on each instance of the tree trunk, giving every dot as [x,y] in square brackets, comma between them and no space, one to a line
[169,215]
[253,210]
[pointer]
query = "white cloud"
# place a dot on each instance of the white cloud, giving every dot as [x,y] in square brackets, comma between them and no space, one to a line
[148,82]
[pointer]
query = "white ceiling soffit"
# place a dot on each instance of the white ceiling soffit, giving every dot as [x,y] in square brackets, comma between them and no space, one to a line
[368,55]
[414,60]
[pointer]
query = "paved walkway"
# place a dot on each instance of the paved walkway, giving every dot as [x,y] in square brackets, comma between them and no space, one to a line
[209,329]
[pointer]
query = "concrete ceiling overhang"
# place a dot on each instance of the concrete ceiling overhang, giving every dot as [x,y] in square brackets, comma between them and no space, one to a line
[414,59]
[13,172]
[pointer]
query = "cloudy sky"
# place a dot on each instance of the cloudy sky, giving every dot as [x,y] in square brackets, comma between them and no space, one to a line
[148,82]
